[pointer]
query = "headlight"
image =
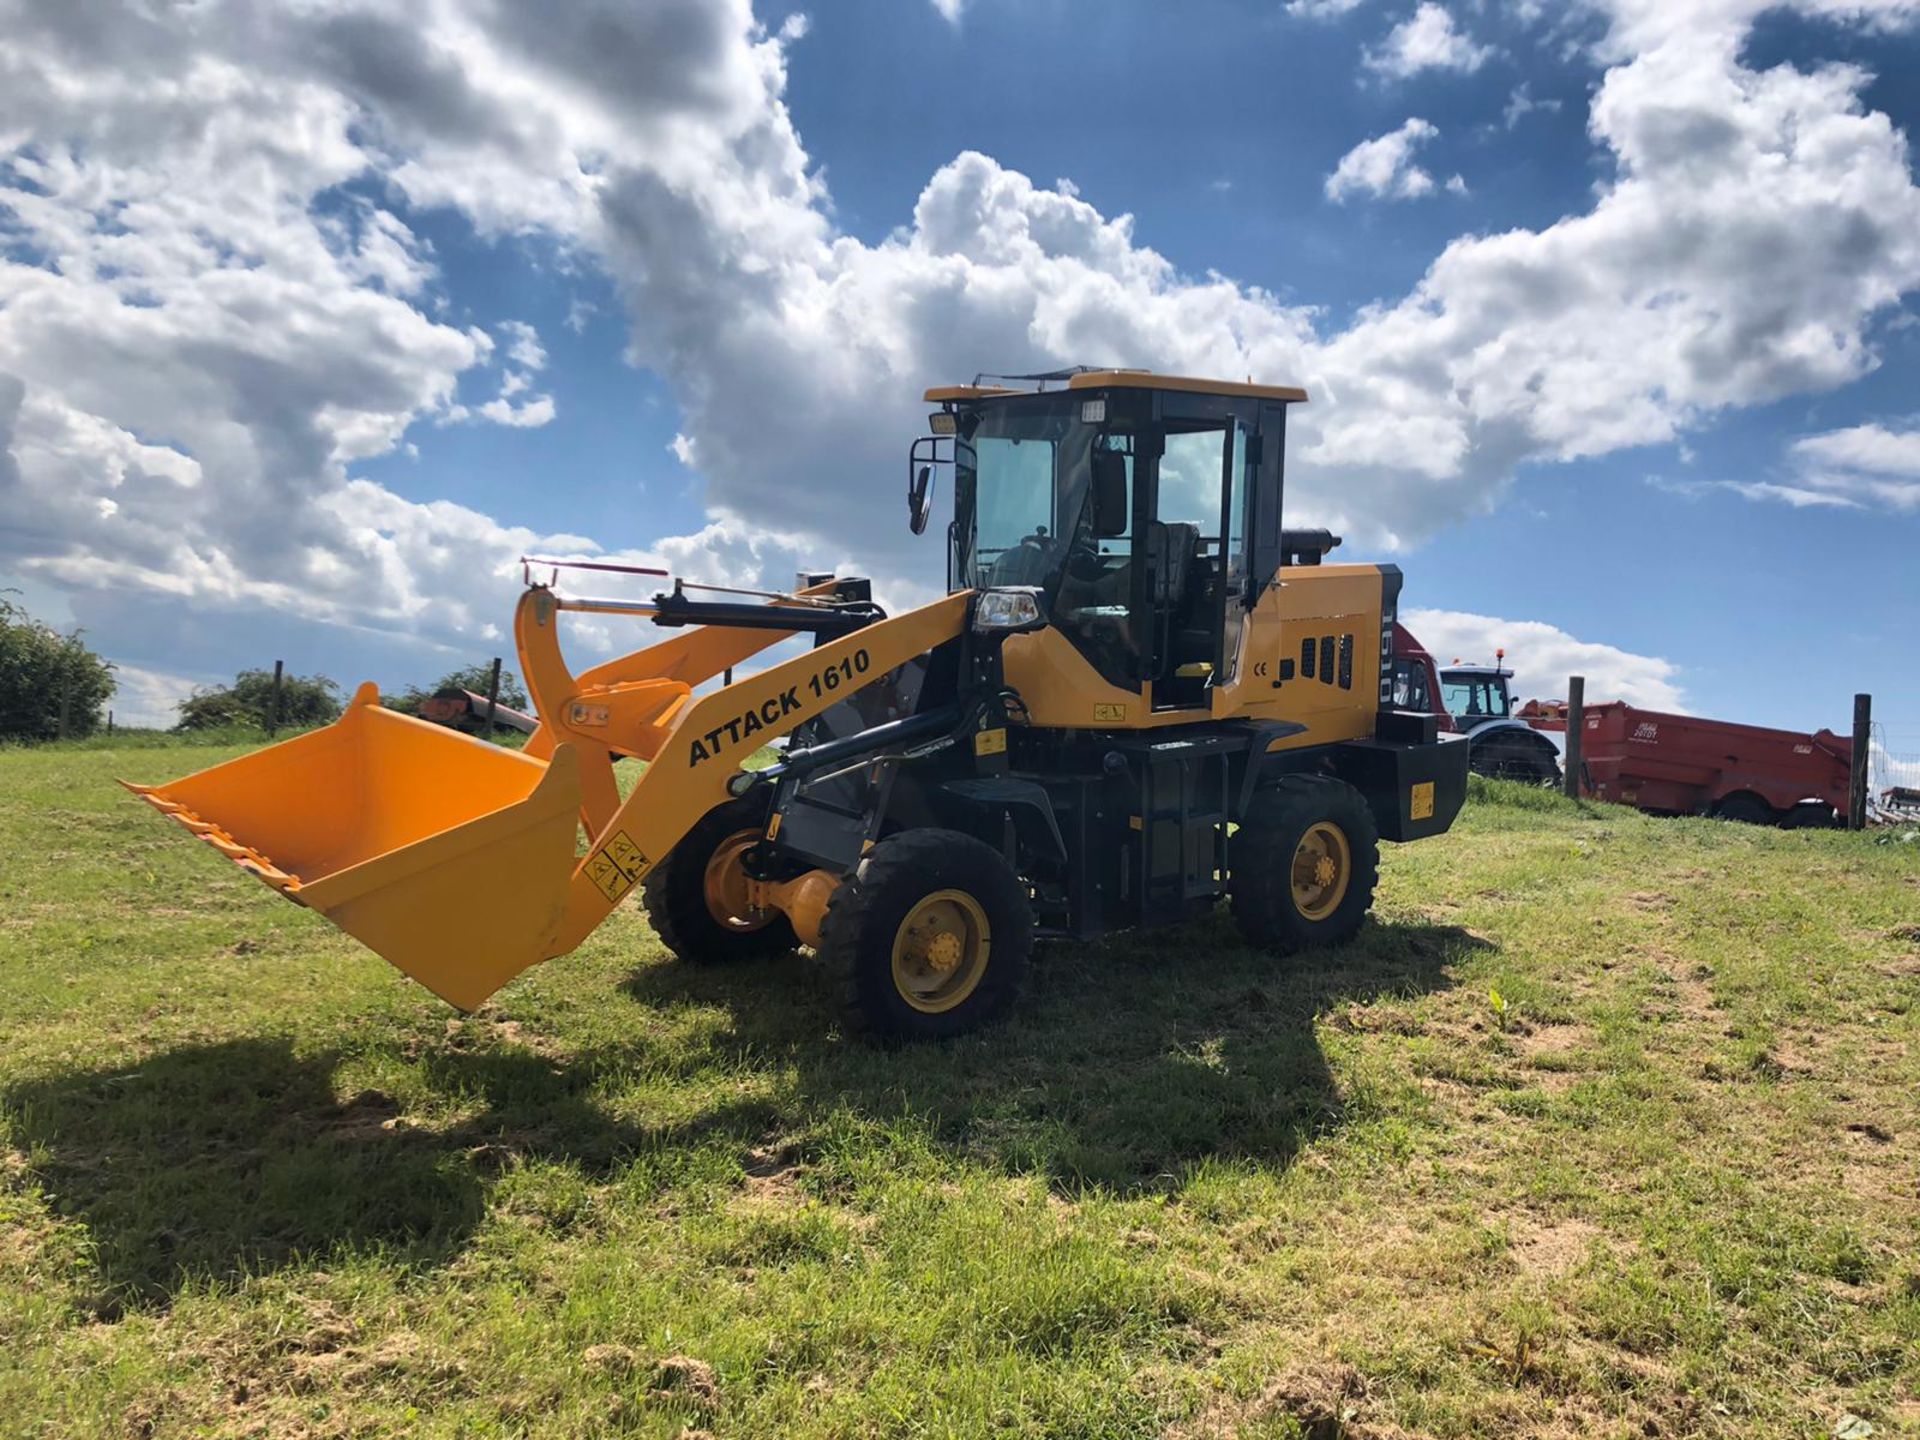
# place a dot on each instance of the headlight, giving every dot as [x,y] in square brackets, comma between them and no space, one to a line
[1015,608]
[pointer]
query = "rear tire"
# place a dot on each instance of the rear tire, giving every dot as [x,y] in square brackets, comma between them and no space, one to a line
[1304,864]
[1745,807]
[932,933]
[686,894]
[1811,815]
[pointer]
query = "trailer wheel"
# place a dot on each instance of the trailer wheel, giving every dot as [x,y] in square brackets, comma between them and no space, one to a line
[1304,864]
[696,897]
[1745,807]
[932,933]
[1812,815]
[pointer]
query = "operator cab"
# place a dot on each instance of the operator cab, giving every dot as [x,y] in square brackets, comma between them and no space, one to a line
[1476,694]
[1141,511]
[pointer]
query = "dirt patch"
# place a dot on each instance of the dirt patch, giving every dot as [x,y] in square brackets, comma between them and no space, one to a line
[1551,1040]
[1651,901]
[681,1377]
[1693,996]
[1908,933]
[365,1115]
[1555,1248]
[401,1353]
[1325,1400]
[484,1031]
[772,1175]
[609,1359]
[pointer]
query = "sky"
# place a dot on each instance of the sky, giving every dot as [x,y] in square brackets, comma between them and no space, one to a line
[315,316]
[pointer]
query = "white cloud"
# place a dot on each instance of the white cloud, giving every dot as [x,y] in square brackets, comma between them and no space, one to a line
[1426,40]
[1521,104]
[1872,448]
[523,345]
[1799,497]
[148,699]
[1383,166]
[533,412]
[950,10]
[1543,656]
[1322,9]
[223,337]
[1862,467]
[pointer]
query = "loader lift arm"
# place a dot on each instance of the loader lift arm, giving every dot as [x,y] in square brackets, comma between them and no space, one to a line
[709,740]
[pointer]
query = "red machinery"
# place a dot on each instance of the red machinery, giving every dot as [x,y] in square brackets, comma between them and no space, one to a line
[1684,765]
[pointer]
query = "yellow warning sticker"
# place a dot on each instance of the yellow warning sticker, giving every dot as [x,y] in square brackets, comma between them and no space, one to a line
[627,855]
[990,742]
[1109,714]
[614,866]
[1422,806]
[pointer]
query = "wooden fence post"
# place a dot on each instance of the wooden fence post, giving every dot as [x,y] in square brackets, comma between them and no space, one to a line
[1576,727]
[1862,761]
[493,695]
[273,707]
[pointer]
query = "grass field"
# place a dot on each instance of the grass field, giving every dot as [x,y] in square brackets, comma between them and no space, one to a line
[1606,1126]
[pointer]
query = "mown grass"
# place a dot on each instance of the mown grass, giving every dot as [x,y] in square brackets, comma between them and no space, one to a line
[253,1183]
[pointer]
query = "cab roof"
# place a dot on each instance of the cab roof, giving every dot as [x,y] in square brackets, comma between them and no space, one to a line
[1120,379]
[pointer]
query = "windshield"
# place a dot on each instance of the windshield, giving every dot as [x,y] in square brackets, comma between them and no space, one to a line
[1025,470]
[1474,697]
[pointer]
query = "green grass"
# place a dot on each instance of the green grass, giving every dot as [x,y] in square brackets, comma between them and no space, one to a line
[253,1183]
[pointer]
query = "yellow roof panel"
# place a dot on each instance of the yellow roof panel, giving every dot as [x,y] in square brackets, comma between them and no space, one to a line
[967,392]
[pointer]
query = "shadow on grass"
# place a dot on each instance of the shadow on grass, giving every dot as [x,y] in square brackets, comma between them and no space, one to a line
[219,1161]
[1127,1065]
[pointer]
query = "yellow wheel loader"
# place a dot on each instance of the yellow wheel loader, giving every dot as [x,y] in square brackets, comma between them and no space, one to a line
[1141,695]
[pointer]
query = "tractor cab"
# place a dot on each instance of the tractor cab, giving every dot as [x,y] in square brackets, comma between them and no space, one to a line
[1477,695]
[1139,512]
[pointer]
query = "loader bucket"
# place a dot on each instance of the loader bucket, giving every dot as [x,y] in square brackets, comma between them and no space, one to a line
[448,856]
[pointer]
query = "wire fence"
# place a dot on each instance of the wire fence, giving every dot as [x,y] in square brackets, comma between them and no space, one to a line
[1893,771]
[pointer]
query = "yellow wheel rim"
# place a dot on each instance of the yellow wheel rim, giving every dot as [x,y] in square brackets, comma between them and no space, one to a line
[940,951]
[1322,866]
[725,885]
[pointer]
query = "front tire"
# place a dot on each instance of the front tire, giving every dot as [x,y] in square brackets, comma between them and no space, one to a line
[696,897]
[1504,758]
[932,933]
[1304,864]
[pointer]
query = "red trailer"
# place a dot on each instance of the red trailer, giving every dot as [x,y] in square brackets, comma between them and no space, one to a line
[1683,765]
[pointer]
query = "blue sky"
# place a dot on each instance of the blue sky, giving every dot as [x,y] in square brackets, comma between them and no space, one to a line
[723,245]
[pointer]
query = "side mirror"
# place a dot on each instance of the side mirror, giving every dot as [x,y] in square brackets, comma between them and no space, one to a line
[1110,507]
[920,500]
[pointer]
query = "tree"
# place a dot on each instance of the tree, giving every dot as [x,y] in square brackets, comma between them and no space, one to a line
[471,677]
[44,673]
[305,700]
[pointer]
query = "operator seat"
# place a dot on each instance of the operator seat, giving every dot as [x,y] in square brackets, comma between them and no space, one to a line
[1173,547]
[1170,550]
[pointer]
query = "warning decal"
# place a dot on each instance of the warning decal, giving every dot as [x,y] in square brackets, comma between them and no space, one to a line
[614,866]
